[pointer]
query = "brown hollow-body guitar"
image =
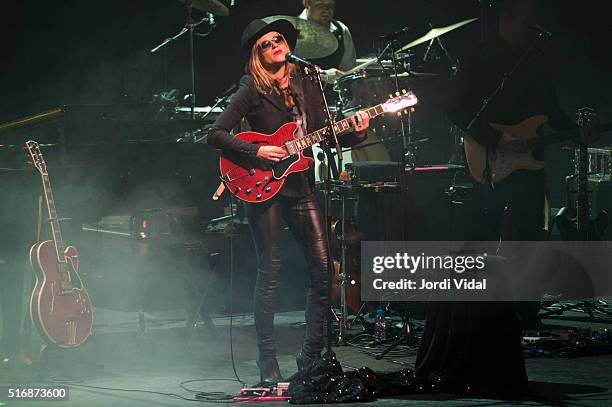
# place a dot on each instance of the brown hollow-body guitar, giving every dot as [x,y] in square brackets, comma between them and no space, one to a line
[60,306]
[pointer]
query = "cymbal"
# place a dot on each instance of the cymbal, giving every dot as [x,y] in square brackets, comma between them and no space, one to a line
[413,74]
[436,32]
[314,40]
[212,6]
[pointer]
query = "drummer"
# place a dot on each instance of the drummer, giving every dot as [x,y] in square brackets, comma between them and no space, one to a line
[322,12]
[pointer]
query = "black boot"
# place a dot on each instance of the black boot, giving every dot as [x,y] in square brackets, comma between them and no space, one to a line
[305,361]
[269,372]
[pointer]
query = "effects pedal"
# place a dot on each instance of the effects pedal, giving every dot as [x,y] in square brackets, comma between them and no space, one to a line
[276,393]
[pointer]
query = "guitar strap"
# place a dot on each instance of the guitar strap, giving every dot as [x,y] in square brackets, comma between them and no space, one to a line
[299,112]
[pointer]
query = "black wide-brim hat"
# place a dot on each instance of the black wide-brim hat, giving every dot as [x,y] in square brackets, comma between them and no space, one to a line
[259,27]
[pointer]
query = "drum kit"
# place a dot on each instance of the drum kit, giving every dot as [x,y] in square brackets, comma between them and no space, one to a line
[370,81]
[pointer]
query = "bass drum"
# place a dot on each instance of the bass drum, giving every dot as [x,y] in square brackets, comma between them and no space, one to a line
[353,258]
[361,90]
[364,89]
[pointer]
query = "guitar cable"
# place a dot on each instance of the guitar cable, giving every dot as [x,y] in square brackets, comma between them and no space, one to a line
[231,297]
[221,396]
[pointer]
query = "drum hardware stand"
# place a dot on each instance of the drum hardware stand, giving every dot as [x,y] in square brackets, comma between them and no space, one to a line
[199,312]
[458,156]
[454,62]
[406,336]
[458,196]
[485,17]
[190,27]
[343,277]
[405,128]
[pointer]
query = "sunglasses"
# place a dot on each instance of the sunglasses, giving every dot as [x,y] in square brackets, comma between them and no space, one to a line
[277,39]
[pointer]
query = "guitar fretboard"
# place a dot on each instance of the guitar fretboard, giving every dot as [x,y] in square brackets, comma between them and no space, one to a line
[55,229]
[340,127]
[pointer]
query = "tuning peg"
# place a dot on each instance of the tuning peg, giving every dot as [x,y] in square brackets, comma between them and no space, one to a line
[390,95]
[399,114]
[405,111]
[404,91]
[397,93]
[412,109]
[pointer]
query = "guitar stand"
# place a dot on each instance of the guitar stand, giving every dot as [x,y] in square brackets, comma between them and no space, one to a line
[200,311]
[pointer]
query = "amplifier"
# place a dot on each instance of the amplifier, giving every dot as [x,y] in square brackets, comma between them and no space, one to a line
[374,171]
[601,195]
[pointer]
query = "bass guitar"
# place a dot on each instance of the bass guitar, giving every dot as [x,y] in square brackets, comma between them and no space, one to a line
[60,306]
[255,181]
[503,162]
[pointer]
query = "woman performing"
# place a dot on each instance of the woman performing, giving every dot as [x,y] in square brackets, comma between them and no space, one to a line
[272,93]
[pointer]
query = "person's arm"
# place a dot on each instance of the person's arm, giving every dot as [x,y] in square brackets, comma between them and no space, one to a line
[466,98]
[241,102]
[349,59]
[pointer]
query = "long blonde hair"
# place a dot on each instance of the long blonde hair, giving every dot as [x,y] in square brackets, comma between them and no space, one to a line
[263,81]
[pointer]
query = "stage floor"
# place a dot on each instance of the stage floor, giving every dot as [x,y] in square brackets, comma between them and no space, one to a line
[166,356]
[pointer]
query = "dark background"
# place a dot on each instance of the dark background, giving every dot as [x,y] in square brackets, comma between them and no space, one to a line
[74,52]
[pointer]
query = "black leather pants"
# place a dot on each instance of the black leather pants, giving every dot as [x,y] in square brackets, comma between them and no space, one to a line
[304,219]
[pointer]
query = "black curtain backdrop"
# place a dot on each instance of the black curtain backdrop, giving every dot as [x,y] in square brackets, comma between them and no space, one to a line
[56,53]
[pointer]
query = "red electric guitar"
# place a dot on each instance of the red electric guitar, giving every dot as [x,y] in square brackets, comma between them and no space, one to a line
[60,306]
[253,180]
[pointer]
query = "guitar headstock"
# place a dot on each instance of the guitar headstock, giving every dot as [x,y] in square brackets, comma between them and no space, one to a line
[400,102]
[35,156]
[585,115]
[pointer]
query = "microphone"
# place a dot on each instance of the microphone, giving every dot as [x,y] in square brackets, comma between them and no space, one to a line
[394,34]
[542,32]
[211,19]
[294,59]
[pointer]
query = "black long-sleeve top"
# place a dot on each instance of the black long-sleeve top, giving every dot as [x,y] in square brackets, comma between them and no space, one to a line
[265,113]
[530,91]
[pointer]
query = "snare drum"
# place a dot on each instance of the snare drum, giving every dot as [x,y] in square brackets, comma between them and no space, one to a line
[599,162]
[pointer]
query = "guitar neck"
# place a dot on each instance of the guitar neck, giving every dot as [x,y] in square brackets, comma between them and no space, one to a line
[55,228]
[340,127]
[582,198]
[562,136]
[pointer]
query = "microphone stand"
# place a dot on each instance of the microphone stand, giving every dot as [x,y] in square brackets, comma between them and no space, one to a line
[189,27]
[404,142]
[332,170]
